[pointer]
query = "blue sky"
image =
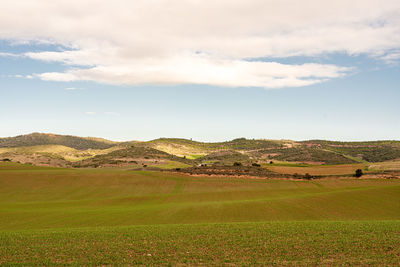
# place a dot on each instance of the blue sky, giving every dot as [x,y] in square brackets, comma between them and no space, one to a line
[68,84]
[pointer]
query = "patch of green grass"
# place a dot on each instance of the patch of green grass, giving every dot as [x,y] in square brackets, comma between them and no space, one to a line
[56,198]
[171,165]
[195,156]
[7,166]
[286,164]
[274,243]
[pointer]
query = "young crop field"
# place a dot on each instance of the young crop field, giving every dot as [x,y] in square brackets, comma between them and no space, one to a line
[53,216]
[263,243]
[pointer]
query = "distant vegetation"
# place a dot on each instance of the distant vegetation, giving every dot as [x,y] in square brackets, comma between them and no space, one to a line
[36,139]
[304,154]
[72,151]
[224,157]
[236,144]
[130,156]
[373,151]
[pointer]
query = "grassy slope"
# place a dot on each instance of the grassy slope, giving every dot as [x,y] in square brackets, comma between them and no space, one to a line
[342,169]
[60,198]
[90,217]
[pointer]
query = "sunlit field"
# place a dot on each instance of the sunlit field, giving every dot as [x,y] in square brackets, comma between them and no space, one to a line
[67,216]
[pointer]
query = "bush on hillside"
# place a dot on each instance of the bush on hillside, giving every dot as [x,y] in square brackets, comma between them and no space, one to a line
[307,176]
[358,173]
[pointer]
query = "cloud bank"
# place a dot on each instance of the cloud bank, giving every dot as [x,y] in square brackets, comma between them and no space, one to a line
[202,42]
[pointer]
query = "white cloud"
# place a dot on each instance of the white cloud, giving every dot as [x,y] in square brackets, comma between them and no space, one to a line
[201,70]
[90,113]
[201,42]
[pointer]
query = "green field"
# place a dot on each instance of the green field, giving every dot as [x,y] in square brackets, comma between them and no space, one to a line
[54,216]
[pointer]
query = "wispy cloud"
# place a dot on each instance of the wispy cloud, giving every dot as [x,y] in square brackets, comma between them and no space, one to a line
[90,113]
[17,76]
[199,70]
[203,42]
[5,54]
[392,57]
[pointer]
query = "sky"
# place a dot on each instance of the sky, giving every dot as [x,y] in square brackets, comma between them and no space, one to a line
[206,70]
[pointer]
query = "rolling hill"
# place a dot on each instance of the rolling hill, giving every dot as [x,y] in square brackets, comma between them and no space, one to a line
[131,156]
[36,139]
[72,151]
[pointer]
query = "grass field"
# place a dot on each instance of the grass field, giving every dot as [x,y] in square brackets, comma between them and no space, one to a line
[54,216]
[171,165]
[272,243]
[384,166]
[341,169]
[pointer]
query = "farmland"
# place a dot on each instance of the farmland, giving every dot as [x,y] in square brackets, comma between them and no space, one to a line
[271,243]
[341,169]
[114,216]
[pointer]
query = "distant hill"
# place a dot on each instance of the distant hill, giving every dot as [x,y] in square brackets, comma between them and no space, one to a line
[194,149]
[371,151]
[318,151]
[67,150]
[36,139]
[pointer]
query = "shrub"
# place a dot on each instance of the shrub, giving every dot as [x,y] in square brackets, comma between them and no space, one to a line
[237,164]
[307,176]
[256,165]
[358,173]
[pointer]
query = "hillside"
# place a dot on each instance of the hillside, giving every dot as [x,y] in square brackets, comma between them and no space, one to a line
[72,151]
[36,139]
[131,156]
[314,151]
[373,151]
